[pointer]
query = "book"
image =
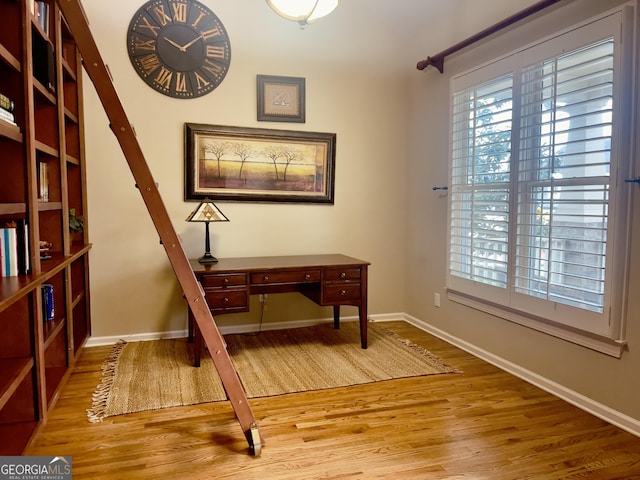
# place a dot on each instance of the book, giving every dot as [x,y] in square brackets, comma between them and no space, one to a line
[43,181]
[2,254]
[48,308]
[44,65]
[7,116]
[10,251]
[6,103]
[42,15]
[23,249]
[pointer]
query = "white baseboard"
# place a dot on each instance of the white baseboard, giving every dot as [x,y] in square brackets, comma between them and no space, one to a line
[136,337]
[225,330]
[587,404]
[601,411]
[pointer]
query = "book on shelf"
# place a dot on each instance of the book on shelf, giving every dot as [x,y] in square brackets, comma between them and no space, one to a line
[6,103]
[7,116]
[44,64]
[3,255]
[23,247]
[15,252]
[9,247]
[41,12]
[43,181]
[48,308]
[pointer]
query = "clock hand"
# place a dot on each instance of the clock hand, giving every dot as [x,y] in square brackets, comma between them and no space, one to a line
[184,47]
[174,44]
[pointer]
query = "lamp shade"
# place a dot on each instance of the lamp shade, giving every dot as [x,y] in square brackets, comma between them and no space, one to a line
[207,211]
[302,11]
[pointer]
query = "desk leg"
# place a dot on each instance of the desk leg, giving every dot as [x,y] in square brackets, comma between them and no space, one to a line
[362,308]
[362,311]
[190,323]
[197,346]
[195,337]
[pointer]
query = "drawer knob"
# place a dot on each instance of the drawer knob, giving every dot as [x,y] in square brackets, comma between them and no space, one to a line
[265,278]
[343,275]
[226,280]
[307,276]
[225,300]
[343,292]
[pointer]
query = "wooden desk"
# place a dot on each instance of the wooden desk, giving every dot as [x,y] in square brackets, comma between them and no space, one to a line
[328,280]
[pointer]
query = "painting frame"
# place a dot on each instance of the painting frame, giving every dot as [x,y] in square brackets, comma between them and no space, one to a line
[258,165]
[281,99]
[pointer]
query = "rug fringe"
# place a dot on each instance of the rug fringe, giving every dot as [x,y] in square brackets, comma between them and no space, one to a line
[423,351]
[97,411]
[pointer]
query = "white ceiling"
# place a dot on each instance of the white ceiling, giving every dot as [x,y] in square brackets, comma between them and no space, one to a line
[434,25]
[410,17]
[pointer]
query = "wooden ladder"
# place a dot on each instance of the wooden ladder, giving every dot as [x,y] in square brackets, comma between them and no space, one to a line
[96,69]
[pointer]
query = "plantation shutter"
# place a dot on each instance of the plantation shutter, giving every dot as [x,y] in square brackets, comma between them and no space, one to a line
[563,177]
[480,176]
[537,209]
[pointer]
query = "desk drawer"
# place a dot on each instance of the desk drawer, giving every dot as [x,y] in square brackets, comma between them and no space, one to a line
[338,294]
[341,275]
[223,280]
[295,276]
[235,300]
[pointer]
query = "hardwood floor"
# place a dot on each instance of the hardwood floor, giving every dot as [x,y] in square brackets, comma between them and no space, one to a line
[479,424]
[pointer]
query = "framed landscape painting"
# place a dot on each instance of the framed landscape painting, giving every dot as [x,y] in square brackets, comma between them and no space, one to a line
[258,165]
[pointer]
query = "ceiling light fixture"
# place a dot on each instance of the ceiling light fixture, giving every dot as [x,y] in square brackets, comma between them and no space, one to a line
[303,11]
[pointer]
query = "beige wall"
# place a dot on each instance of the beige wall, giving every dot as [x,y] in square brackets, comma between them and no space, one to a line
[350,90]
[609,381]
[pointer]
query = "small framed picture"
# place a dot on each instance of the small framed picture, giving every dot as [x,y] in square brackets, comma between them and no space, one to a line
[281,99]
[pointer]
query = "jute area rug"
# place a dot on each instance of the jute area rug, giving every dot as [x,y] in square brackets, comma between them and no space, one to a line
[156,374]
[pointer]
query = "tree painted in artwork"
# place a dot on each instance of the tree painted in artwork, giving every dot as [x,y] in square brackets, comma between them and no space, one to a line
[274,152]
[290,154]
[286,153]
[244,152]
[217,150]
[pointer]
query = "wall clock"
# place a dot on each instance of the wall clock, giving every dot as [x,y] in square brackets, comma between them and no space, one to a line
[178,47]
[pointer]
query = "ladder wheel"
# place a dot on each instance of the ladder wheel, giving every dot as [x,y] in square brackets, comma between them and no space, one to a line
[256,445]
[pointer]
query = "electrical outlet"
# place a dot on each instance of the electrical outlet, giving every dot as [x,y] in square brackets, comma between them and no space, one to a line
[436,299]
[263,297]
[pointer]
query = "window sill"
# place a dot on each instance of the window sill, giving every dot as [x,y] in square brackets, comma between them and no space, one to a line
[601,344]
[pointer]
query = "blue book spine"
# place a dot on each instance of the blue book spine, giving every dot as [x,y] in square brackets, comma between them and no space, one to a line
[3,253]
[47,301]
[7,252]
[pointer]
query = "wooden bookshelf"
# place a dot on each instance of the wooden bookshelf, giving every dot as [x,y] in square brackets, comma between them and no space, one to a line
[40,71]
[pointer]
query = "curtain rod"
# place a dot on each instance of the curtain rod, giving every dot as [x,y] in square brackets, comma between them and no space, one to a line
[438,59]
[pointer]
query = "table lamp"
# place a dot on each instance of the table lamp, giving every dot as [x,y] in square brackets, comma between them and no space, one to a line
[207,212]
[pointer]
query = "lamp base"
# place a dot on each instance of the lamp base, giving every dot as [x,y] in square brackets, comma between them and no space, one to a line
[207,258]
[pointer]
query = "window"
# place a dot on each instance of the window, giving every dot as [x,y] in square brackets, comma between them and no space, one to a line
[536,215]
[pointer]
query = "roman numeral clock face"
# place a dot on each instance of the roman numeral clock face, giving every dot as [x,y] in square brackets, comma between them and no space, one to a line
[179,47]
